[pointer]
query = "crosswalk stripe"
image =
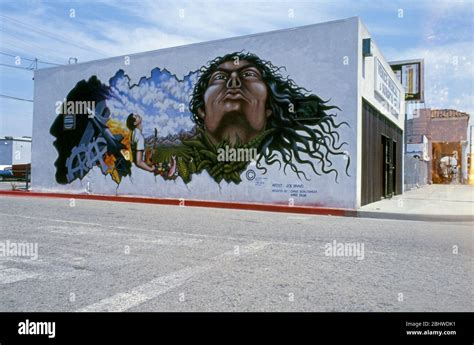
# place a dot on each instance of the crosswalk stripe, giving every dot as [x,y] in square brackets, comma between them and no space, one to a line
[158,286]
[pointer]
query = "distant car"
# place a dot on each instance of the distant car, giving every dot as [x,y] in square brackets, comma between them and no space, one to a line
[5,171]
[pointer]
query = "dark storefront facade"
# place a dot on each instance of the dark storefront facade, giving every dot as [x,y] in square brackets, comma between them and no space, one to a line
[382,149]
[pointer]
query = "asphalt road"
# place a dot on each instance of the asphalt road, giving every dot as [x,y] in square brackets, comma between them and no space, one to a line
[106,256]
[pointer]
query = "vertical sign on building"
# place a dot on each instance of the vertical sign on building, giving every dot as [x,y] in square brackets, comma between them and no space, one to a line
[410,74]
[386,90]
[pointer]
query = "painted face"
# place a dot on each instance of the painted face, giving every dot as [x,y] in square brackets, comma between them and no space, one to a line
[138,120]
[235,103]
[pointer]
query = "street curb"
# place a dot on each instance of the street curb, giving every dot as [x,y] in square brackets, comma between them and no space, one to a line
[193,203]
[325,211]
[415,217]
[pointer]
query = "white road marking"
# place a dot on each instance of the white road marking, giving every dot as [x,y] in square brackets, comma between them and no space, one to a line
[169,241]
[49,219]
[377,252]
[13,275]
[41,270]
[135,229]
[298,218]
[158,286]
[155,239]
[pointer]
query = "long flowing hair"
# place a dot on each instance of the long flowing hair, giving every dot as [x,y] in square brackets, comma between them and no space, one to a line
[303,130]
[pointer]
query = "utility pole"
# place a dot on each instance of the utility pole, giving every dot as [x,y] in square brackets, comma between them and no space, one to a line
[470,176]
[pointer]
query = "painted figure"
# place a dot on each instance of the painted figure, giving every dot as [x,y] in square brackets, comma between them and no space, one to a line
[242,109]
[244,101]
[137,142]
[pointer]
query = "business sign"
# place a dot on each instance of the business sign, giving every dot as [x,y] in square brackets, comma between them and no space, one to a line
[410,74]
[386,89]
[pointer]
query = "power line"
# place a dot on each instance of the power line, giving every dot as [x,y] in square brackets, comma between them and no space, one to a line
[21,45]
[16,98]
[27,59]
[18,67]
[54,36]
[19,42]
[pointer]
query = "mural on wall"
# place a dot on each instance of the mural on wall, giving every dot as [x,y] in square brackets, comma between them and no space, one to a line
[236,109]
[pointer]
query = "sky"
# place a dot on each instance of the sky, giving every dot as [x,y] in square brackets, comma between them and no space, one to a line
[159,99]
[441,32]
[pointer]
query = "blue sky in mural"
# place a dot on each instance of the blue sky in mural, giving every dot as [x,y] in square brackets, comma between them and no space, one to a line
[440,31]
[158,99]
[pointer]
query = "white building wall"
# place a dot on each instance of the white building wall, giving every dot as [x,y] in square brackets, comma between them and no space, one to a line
[15,151]
[21,152]
[315,58]
[6,152]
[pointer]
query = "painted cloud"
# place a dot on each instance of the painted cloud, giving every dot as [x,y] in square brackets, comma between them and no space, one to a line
[162,100]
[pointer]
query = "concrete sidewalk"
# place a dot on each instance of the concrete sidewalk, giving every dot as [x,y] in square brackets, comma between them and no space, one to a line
[439,203]
[428,203]
[13,185]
